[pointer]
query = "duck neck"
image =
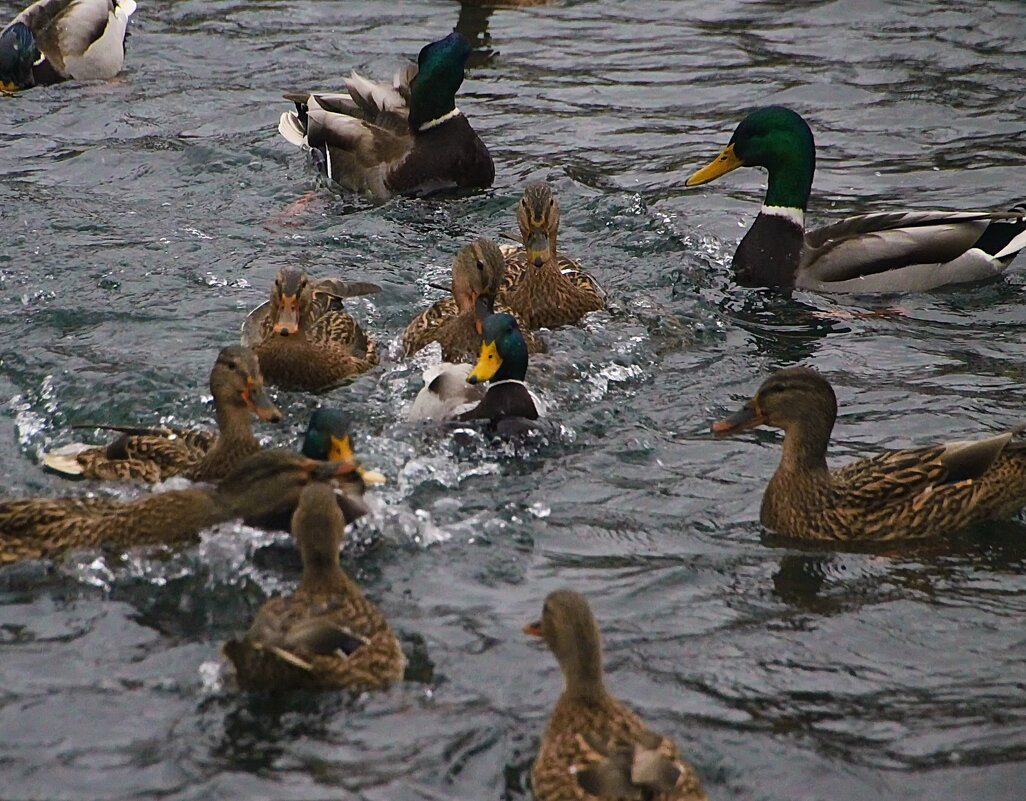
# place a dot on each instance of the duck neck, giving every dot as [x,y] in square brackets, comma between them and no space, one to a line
[790,179]
[322,571]
[233,423]
[514,361]
[583,673]
[805,447]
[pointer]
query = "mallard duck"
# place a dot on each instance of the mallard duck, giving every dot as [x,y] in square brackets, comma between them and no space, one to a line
[303,337]
[53,40]
[544,288]
[154,454]
[328,439]
[408,138]
[503,364]
[910,251]
[44,528]
[595,746]
[326,635]
[901,494]
[454,322]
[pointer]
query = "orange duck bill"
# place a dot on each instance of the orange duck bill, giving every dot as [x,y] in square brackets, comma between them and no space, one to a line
[534,629]
[256,398]
[748,416]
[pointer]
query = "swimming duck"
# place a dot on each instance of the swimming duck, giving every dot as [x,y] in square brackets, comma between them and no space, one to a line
[328,439]
[53,40]
[911,493]
[595,746]
[155,454]
[303,337]
[408,138]
[44,528]
[326,635]
[910,251]
[454,322]
[503,364]
[544,288]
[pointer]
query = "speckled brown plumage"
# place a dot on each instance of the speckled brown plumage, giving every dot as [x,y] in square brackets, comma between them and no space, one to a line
[326,635]
[477,270]
[303,337]
[545,289]
[157,454]
[44,528]
[911,493]
[596,747]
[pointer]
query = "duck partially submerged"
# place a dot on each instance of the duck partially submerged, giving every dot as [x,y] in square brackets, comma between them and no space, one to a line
[45,528]
[912,493]
[303,337]
[478,270]
[153,454]
[408,138]
[595,746]
[326,635]
[545,288]
[54,40]
[911,251]
[503,364]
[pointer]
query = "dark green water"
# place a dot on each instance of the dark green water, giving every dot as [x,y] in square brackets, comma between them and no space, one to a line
[141,219]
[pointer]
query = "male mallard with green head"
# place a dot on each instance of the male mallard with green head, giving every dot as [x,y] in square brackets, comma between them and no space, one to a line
[911,493]
[326,635]
[595,746]
[408,139]
[910,251]
[155,454]
[453,322]
[544,288]
[303,337]
[54,40]
[503,364]
[45,528]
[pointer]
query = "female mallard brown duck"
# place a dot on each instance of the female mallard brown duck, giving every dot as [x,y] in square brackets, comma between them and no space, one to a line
[545,289]
[408,138]
[302,336]
[596,747]
[53,40]
[477,272]
[910,251]
[44,528]
[326,635]
[328,439]
[157,454]
[901,494]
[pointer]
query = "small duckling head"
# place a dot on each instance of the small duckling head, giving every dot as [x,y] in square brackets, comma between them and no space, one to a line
[538,218]
[503,351]
[18,52]
[236,381]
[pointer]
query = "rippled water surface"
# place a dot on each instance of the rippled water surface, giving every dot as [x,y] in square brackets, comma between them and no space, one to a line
[142,218]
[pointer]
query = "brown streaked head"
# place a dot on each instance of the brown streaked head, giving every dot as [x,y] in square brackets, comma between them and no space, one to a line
[236,380]
[787,398]
[289,300]
[477,269]
[538,218]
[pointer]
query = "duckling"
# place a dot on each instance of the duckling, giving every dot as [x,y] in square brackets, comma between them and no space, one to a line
[595,746]
[328,438]
[152,454]
[45,528]
[54,40]
[477,271]
[543,288]
[902,251]
[910,493]
[326,635]
[408,138]
[305,340]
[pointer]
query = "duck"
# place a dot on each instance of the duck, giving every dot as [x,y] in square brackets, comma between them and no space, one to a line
[303,337]
[595,746]
[906,494]
[156,454]
[503,364]
[326,635]
[54,40]
[478,270]
[46,528]
[408,138]
[543,287]
[883,252]
[328,439]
